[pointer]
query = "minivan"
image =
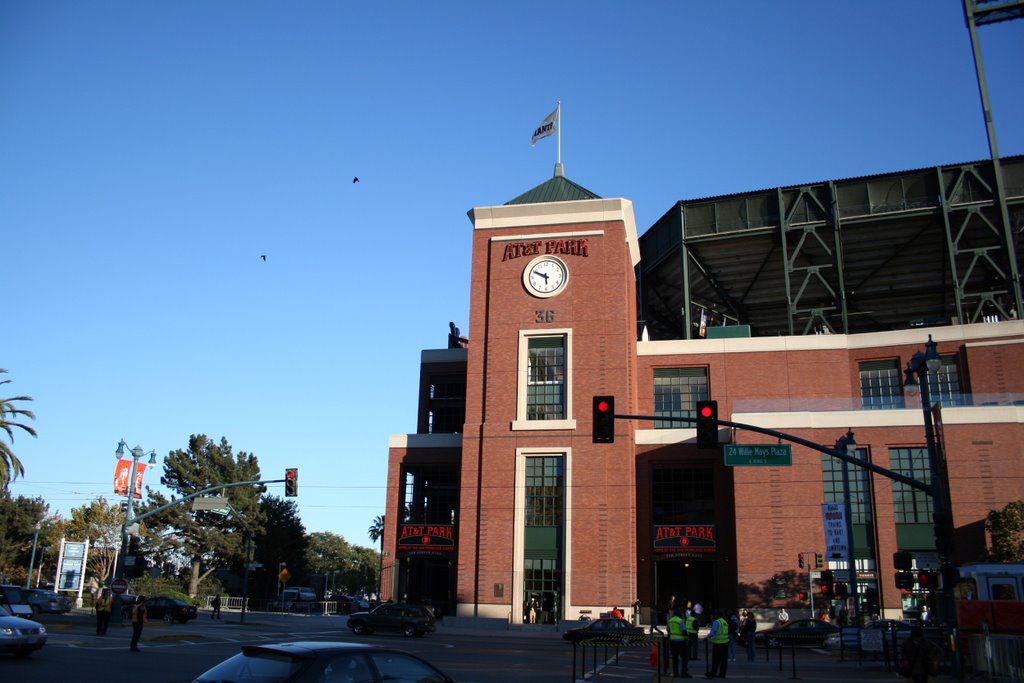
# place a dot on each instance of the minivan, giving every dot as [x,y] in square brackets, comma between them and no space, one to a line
[300,599]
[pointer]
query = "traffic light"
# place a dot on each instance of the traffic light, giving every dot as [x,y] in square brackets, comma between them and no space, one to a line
[707,424]
[928,581]
[827,579]
[904,580]
[801,560]
[802,595]
[902,560]
[817,560]
[291,482]
[604,419]
[943,533]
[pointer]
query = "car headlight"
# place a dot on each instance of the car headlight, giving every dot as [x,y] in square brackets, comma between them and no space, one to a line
[7,631]
[42,630]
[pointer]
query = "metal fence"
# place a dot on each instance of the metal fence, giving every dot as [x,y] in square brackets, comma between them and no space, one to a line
[997,657]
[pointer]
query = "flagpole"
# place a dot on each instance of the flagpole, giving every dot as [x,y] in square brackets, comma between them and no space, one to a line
[558,129]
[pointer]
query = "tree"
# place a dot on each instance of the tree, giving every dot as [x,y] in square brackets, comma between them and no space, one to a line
[283,540]
[208,540]
[10,467]
[1006,528]
[327,554]
[18,518]
[100,522]
[376,533]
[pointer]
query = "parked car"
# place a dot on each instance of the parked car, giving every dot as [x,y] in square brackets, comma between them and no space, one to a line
[346,604]
[607,629]
[801,632]
[15,599]
[312,662]
[18,636]
[409,620]
[48,602]
[902,627]
[169,609]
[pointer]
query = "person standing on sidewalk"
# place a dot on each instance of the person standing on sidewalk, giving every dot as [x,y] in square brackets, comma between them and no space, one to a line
[719,637]
[138,621]
[678,646]
[919,656]
[104,603]
[750,634]
[215,604]
[692,632]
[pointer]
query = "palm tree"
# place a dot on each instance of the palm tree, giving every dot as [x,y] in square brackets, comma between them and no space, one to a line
[376,533]
[10,467]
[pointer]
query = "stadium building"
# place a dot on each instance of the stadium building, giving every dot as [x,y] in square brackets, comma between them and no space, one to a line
[798,310]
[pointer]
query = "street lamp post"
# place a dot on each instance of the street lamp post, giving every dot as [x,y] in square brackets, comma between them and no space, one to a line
[136,454]
[32,560]
[916,382]
[847,444]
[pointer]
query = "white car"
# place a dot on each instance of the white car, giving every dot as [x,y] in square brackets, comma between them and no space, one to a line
[20,636]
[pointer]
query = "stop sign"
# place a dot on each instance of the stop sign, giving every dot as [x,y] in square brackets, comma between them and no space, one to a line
[119,586]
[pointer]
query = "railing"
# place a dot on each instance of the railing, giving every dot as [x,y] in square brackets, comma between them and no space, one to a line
[999,657]
[234,604]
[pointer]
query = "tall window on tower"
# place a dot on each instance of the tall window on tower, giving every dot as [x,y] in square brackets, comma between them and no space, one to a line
[676,392]
[546,378]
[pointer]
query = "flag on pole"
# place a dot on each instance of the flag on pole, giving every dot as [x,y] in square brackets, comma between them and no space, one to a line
[546,128]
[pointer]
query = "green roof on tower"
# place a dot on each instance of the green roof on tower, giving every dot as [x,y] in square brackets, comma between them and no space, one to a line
[558,189]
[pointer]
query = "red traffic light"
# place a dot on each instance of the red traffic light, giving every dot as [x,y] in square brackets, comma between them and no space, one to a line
[802,595]
[291,482]
[706,411]
[604,419]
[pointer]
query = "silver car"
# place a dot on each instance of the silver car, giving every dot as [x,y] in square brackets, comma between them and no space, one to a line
[48,602]
[20,636]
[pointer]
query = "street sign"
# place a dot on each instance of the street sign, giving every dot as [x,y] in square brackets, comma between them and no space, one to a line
[833,517]
[210,503]
[771,455]
[119,586]
[927,560]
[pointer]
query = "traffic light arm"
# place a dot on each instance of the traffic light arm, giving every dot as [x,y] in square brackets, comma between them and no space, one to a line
[827,450]
[189,497]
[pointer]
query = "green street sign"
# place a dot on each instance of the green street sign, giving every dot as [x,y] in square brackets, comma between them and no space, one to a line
[771,455]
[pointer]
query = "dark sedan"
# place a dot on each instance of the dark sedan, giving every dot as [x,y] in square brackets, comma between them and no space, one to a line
[800,632]
[169,609]
[605,630]
[314,662]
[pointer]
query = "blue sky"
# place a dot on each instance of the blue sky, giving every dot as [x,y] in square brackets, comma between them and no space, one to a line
[151,152]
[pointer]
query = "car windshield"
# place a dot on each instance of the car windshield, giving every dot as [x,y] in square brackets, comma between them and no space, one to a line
[253,667]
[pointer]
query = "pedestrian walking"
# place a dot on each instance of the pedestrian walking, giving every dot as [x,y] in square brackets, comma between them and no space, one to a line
[104,603]
[138,621]
[215,604]
[919,657]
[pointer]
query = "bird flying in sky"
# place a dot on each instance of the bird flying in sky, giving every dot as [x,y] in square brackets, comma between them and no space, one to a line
[356,179]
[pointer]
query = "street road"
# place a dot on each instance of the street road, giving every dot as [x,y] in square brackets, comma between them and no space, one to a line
[176,653]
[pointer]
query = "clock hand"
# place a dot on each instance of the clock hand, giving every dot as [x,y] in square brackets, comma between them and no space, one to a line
[543,275]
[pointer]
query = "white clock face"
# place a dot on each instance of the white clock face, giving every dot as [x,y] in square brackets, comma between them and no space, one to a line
[545,276]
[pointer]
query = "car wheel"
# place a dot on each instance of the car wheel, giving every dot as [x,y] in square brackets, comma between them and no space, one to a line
[168,618]
[773,643]
[408,630]
[359,628]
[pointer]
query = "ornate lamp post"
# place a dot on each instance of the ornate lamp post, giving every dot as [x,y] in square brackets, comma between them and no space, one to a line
[136,454]
[916,382]
[848,445]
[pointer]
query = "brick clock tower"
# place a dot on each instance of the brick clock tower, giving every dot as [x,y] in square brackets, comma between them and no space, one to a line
[547,518]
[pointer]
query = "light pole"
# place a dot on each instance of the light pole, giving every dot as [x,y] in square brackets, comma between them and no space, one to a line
[916,382]
[136,454]
[847,444]
[32,560]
